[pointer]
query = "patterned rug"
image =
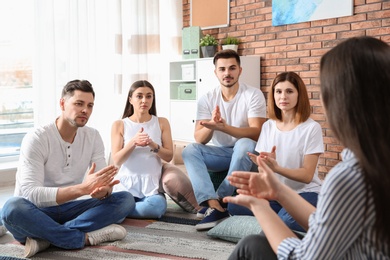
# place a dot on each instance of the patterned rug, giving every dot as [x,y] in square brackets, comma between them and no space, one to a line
[167,238]
[145,240]
[177,215]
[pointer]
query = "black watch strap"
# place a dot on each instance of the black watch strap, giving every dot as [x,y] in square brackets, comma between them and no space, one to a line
[156,150]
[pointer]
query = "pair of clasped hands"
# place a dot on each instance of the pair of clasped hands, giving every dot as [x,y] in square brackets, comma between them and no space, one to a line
[142,139]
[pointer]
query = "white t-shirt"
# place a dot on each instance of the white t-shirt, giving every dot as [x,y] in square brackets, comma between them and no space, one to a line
[140,174]
[249,102]
[291,147]
[47,162]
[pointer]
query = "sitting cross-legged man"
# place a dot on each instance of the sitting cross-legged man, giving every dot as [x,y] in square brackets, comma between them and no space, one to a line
[59,163]
[231,116]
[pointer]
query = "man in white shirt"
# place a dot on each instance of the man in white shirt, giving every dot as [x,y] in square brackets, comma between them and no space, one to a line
[231,115]
[52,176]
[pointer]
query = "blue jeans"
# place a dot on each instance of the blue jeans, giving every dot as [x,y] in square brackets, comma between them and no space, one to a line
[64,225]
[199,159]
[149,207]
[310,197]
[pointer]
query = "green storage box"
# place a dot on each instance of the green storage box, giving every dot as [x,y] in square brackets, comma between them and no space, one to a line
[187,91]
[190,42]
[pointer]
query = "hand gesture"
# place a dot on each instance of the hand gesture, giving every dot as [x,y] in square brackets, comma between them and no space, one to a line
[271,154]
[216,122]
[247,201]
[141,138]
[254,189]
[95,181]
[101,192]
[253,157]
[263,184]
[270,159]
[216,115]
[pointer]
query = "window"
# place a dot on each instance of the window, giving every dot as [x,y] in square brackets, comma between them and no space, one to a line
[16,96]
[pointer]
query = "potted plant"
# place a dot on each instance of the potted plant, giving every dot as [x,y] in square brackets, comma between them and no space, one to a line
[208,45]
[230,43]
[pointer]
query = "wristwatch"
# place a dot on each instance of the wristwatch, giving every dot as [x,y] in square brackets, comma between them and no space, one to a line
[156,150]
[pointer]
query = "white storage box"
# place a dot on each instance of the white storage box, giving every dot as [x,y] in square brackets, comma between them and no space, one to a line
[187,72]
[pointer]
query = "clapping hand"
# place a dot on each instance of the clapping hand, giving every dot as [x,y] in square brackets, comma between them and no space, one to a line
[270,158]
[262,185]
[216,122]
[216,115]
[99,184]
[253,157]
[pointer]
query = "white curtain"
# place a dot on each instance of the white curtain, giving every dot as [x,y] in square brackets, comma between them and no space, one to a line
[111,43]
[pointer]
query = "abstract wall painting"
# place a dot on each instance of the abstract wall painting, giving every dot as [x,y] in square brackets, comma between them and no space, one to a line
[297,11]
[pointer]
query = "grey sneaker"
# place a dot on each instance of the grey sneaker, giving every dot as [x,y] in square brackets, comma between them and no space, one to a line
[3,230]
[112,232]
[34,245]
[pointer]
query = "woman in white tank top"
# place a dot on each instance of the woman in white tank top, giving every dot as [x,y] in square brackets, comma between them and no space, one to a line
[139,141]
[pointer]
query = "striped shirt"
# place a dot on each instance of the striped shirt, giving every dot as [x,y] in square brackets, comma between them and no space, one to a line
[338,228]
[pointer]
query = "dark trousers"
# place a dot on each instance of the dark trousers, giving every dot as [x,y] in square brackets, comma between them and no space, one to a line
[253,247]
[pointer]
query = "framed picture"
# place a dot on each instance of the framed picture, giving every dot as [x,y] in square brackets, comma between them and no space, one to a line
[208,14]
[297,11]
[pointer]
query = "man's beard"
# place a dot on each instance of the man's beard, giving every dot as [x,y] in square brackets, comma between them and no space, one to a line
[229,85]
[74,122]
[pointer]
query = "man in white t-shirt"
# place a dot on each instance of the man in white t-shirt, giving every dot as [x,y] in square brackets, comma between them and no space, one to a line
[52,176]
[231,116]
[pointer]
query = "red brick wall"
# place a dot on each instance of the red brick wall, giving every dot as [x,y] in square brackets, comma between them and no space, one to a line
[298,47]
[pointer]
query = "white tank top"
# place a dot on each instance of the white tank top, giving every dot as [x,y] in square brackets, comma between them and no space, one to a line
[140,174]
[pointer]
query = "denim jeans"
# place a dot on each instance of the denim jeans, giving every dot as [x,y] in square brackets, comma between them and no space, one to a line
[64,225]
[199,159]
[310,197]
[149,207]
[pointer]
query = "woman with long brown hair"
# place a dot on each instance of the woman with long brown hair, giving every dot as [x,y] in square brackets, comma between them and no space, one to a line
[139,143]
[352,216]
